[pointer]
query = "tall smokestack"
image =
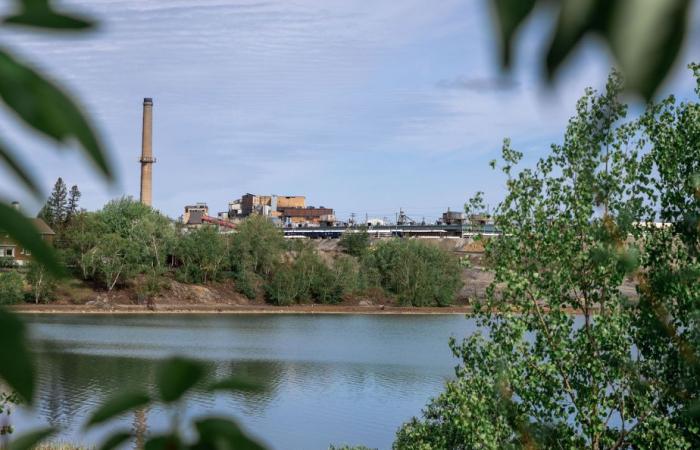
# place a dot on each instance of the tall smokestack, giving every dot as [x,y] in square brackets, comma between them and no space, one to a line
[147,158]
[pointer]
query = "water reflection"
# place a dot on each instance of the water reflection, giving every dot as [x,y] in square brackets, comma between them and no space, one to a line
[325,379]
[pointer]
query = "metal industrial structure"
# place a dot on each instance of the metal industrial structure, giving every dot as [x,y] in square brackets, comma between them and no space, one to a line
[147,158]
[428,230]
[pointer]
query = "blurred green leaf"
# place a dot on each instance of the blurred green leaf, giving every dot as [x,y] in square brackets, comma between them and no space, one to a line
[646,37]
[236,384]
[24,233]
[176,376]
[509,15]
[38,13]
[576,17]
[225,434]
[115,440]
[166,442]
[31,439]
[18,169]
[117,405]
[16,367]
[44,107]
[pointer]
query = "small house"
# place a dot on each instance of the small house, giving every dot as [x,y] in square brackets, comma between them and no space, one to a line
[15,252]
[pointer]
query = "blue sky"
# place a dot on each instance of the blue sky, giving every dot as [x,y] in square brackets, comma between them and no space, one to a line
[366,107]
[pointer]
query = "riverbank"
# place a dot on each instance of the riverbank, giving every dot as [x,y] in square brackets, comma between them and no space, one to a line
[234,309]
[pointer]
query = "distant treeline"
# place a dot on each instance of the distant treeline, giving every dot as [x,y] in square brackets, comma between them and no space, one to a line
[128,244]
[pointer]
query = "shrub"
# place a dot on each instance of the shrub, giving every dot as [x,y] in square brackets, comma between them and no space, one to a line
[281,289]
[7,263]
[355,242]
[11,288]
[203,255]
[308,278]
[418,274]
[246,283]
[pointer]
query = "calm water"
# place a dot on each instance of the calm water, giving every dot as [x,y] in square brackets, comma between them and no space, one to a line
[327,379]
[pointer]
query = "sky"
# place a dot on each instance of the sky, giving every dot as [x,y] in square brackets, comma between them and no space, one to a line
[363,106]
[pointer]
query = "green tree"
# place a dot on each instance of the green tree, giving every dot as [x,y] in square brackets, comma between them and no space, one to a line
[153,233]
[114,260]
[623,373]
[11,288]
[77,243]
[257,246]
[255,249]
[203,253]
[355,242]
[42,282]
[73,206]
[55,211]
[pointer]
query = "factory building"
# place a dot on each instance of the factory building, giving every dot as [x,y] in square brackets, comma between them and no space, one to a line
[454,218]
[194,213]
[309,216]
[197,215]
[286,210]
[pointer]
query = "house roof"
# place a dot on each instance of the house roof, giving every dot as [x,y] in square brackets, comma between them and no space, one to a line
[42,227]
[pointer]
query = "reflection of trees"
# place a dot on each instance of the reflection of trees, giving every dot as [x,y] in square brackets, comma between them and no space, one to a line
[140,427]
[72,385]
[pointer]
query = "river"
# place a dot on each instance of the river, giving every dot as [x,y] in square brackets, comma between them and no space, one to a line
[327,379]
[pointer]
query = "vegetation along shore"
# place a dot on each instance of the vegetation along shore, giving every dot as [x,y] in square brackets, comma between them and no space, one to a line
[128,256]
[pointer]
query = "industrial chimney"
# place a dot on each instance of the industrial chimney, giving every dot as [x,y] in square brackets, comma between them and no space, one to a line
[147,158]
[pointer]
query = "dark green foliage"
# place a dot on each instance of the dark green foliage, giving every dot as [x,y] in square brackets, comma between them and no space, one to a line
[246,282]
[118,405]
[17,368]
[11,288]
[20,172]
[116,440]
[7,262]
[40,14]
[176,376]
[216,432]
[30,440]
[55,211]
[44,107]
[73,206]
[645,39]
[418,273]
[282,287]
[355,242]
